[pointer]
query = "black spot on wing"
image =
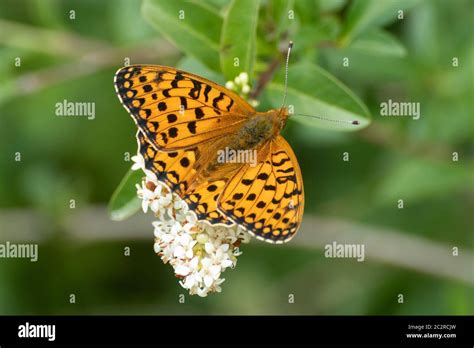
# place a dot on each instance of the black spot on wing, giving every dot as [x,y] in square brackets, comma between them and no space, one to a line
[251,197]
[192,127]
[184,103]
[230,104]
[207,89]
[173,132]
[184,162]
[162,106]
[284,160]
[171,118]
[217,99]
[199,113]
[196,90]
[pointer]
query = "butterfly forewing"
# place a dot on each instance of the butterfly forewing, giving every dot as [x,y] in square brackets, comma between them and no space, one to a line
[175,109]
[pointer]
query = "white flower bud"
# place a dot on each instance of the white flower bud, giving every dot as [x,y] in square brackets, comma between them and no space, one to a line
[254,102]
[244,78]
[202,238]
[156,248]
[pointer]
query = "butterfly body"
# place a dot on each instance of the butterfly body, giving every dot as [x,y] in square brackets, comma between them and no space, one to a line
[260,128]
[185,123]
[253,135]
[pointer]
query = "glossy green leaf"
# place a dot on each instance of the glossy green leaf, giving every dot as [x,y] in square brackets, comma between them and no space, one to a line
[379,42]
[382,68]
[305,11]
[331,5]
[418,179]
[324,32]
[238,38]
[364,14]
[313,91]
[124,202]
[193,28]
[196,67]
[279,12]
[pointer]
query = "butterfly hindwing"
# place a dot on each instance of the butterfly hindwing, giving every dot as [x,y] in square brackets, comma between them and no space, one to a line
[267,199]
[175,109]
[177,171]
[203,201]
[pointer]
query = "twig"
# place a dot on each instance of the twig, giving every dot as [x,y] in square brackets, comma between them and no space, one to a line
[90,63]
[390,246]
[267,75]
[381,244]
[47,41]
[86,56]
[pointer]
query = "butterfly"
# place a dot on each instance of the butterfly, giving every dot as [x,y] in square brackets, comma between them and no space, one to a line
[185,121]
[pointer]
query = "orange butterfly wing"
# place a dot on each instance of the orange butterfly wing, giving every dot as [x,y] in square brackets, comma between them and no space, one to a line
[268,199]
[175,109]
[174,168]
[177,170]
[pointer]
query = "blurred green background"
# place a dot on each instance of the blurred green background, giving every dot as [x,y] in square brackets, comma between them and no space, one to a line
[81,251]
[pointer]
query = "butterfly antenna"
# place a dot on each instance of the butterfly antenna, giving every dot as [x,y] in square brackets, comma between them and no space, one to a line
[355,122]
[290,46]
[285,92]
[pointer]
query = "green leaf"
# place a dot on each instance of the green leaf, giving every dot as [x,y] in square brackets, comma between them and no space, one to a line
[238,38]
[313,91]
[279,12]
[417,179]
[364,14]
[124,202]
[327,29]
[379,42]
[331,5]
[193,28]
[196,67]
[381,69]
[306,12]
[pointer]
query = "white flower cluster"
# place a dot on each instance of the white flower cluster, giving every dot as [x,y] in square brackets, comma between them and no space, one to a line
[198,251]
[241,85]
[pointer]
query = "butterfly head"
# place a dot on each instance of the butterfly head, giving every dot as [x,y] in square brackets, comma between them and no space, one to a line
[278,119]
